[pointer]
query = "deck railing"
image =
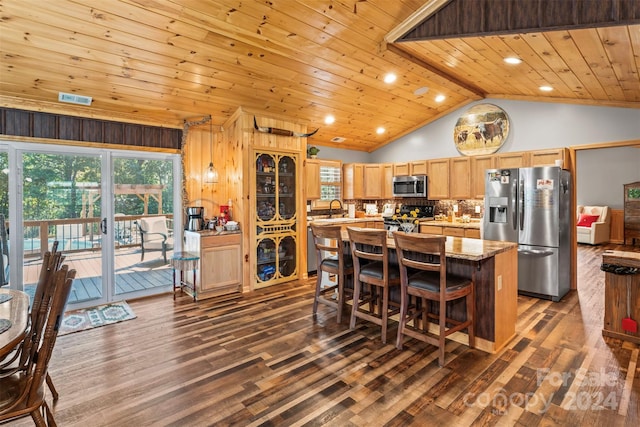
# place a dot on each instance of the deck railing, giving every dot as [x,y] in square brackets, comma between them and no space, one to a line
[80,234]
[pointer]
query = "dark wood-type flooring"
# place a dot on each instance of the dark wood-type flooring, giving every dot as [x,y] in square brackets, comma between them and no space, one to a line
[262,359]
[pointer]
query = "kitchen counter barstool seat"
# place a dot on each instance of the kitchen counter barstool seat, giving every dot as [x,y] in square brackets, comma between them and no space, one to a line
[328,240]
[424,277]
[375,302]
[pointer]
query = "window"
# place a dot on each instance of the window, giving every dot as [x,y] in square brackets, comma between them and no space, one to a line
[330,184]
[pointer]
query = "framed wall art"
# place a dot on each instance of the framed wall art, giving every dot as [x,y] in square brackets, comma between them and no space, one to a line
[482,129]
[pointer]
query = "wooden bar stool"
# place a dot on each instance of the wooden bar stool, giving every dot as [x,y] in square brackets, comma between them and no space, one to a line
[423,273]
[372,268]
[327,240]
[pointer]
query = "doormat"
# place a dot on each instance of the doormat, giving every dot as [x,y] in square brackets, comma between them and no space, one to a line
[94,317]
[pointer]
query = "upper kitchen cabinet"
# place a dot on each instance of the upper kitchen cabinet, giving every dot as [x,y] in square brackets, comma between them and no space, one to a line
[419,167]
[438,175]
[373,180]
[512,160]
[549,157]
[387,181]
[353,174]
[460,178]
[312,179]
[479,164]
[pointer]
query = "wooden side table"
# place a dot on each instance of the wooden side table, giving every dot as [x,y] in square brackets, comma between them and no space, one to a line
[184,261]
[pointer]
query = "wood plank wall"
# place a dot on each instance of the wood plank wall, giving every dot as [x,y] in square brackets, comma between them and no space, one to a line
[484,17]
[233,156]
[35,124]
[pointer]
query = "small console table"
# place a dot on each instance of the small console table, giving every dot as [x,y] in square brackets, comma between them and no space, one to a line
[184,261]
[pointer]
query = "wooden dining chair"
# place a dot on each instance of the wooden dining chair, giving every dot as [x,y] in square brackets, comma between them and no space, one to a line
[334,261]
[423,273]
[376,280]
[40,306]
[22,393]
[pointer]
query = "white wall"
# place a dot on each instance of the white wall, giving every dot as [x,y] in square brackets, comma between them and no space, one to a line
[533,125]
[346,156]
[601,174]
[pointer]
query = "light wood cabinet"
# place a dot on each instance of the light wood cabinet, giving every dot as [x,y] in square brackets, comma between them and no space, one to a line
[548,157]
[220,267]
[431,229]
[419,167]
[460,178]
[479,164]
[473,233]
[387,181]
[401,169]
[373,180]
[312,178]
[512,160]
[353,181]
[438,187]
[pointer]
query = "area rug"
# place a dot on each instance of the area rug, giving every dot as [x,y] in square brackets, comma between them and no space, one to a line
[94,317]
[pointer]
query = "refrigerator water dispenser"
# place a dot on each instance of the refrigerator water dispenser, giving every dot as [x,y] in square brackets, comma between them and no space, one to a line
[498,209]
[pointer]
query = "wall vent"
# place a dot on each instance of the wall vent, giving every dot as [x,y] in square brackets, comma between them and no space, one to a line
[74,99]
[338,139]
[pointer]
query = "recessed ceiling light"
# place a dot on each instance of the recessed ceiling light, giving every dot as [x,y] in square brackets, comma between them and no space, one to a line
[440,98]
[390,78]
[329,120]
[380,130]
[421,91]
[513,60]
[546,88]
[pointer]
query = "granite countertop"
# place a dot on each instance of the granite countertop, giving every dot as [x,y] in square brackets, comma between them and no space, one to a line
[464,248]
[342,220]
[207,233]
[473,224]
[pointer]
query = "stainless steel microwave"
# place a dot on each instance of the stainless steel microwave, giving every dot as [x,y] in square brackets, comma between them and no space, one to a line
[410,186]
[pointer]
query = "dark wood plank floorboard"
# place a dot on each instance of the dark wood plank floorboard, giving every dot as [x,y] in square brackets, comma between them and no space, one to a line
[262,359]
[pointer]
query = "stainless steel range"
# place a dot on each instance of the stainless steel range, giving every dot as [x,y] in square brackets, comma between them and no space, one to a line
[424,212]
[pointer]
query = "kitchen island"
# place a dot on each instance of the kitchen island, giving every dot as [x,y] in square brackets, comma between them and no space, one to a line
[495,268]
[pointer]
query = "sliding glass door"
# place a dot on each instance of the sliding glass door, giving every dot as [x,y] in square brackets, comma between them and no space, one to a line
[90,203]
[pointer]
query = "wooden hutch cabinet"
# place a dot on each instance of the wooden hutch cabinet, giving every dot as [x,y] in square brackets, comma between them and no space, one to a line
[632,213]
[275,217]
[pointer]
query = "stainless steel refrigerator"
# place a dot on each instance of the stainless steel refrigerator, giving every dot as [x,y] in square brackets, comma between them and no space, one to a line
[531,206]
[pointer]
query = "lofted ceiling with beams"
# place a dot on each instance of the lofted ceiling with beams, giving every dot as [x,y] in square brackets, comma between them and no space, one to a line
[164,61]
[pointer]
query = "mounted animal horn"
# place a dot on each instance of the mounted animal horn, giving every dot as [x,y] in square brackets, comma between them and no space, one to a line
[283,132]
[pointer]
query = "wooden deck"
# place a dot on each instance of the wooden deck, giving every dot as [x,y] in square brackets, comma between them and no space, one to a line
[131,274]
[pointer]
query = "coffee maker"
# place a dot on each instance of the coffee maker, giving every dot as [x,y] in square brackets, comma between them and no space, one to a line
[195,218]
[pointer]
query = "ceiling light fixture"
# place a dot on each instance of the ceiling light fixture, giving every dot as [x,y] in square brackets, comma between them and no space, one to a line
[546,88]
[390,78]
[440,98]
[380,130]
[211,174]
[512,60]
[421,91]
[329,120]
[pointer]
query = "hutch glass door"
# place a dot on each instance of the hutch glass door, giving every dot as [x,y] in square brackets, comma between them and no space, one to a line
[276,218]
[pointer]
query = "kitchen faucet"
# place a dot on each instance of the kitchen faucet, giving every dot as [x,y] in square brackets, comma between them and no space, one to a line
[331,204]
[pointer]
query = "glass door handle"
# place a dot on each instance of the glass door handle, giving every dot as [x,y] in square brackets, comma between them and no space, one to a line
[103,226]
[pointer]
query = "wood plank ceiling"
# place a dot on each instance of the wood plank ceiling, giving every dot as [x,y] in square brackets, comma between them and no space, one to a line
[163,61]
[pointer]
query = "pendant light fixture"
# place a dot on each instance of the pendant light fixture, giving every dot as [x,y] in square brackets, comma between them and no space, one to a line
[211,174]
